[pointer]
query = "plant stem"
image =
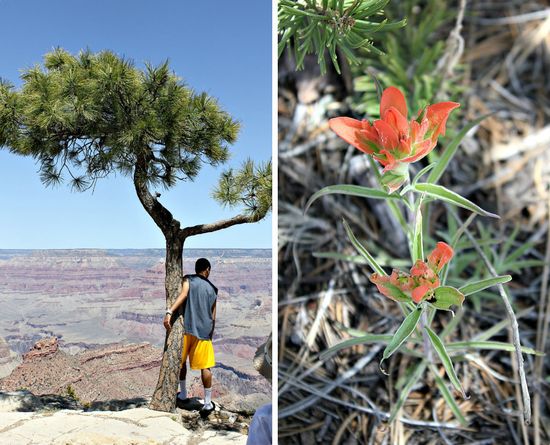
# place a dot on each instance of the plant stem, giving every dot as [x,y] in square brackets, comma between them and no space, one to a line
[426,341]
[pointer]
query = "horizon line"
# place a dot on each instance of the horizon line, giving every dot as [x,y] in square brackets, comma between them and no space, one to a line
[134,248]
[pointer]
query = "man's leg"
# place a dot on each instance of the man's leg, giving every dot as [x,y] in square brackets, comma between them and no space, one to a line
[206,377]
[183,371]
[183,389]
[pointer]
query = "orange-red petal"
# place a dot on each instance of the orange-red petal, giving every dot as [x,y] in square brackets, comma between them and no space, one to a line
[440,256]
[386,135]
[350,131]
[419,269]
[392,97]
[397,121]
[422,150]
[437,115]
[419,292]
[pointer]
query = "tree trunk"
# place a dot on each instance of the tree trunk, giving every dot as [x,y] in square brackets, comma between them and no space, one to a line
[164,397]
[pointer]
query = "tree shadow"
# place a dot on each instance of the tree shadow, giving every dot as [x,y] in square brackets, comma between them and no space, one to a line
[29,402]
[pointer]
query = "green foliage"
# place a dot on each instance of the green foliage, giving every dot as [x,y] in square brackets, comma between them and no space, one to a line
[70,391]
[403,333]
[313,26]
[93,114]
[249,187]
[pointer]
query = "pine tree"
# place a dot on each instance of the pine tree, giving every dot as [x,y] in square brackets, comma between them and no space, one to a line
[88,116]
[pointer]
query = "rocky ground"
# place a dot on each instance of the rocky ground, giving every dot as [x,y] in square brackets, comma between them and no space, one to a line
[122,372]
[53,420]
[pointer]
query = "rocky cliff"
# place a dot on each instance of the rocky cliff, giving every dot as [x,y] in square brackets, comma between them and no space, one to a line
[119,372]
[47,420]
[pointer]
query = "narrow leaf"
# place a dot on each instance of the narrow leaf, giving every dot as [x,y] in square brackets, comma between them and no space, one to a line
[440,192]
[423,172]
[368,338]
[353,190]
[446,296]
[361,249]
[476,286]
[413,378]
[445,359]
[450,151]
[490,345]
[404,332]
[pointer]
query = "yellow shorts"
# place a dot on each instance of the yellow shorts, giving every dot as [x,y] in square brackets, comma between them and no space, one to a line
[200,352]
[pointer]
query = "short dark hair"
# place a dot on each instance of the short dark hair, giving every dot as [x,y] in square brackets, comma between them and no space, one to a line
[201,265]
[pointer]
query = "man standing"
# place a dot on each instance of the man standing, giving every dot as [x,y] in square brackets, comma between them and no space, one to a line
[199,296]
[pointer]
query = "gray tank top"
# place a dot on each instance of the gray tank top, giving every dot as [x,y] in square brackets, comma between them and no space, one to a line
[197,319]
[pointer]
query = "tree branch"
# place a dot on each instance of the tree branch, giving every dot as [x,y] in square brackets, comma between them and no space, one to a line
[161,215]
[219,225]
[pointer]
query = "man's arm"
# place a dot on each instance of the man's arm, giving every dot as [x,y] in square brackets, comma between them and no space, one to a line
[179,301]
[213,319]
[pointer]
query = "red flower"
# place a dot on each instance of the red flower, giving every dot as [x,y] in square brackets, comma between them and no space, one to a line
[393,140]
[418,284]
[441,255]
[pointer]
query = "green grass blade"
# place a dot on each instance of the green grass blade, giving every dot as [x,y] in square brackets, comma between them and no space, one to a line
[444,194]
[364,252]
[449,399]
[357,259]
[445,359]
[472,288]
[491,345]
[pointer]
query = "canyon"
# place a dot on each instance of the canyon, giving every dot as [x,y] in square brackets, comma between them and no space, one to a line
[92,320]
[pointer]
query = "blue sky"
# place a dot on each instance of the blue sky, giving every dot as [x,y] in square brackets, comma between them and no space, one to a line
[217,46]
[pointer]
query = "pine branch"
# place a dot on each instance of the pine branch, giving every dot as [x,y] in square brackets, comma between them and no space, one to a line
[219,225]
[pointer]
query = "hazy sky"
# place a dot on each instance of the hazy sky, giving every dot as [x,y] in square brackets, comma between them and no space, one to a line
[218,46]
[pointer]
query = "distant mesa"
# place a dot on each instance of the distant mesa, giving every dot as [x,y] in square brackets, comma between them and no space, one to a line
[42,348]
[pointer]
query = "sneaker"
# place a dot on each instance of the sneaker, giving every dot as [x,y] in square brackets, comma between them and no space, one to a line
[181,398]
[205,412]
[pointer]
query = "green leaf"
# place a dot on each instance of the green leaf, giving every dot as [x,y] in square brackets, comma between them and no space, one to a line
[476,286]
[448,397]
[446,296]
[491,345]
[450,151]
[353,190]
[368,338]
[417,248]
[440,192]
[423,172]
[445,359]
[361,249]
[357,259]
[403,332]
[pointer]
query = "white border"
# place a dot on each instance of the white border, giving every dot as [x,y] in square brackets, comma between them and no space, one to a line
[274,224]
